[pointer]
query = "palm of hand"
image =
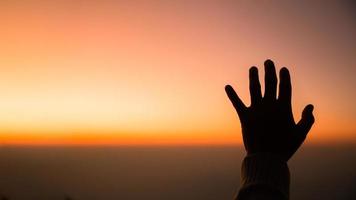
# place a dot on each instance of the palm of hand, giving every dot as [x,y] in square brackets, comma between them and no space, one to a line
[268,125]
[269,128]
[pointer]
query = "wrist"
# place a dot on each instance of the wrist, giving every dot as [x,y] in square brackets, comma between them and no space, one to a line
[265,171]
[281,156]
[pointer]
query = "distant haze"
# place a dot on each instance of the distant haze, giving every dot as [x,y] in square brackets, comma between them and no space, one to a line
[176,173]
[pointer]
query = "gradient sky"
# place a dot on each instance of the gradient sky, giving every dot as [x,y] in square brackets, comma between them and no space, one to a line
[153,72]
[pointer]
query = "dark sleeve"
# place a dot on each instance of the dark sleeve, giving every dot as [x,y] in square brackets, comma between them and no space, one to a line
[264,176]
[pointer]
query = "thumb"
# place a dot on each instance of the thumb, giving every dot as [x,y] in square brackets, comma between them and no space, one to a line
[307,121]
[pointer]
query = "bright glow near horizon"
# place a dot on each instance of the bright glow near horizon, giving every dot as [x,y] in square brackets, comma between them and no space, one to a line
[153,72]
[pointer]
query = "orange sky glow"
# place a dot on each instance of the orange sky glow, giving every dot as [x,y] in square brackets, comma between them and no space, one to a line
[153,72]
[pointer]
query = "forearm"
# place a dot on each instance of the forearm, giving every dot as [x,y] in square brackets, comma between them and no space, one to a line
[264,176]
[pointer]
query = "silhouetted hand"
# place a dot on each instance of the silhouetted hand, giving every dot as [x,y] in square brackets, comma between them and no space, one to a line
[268,125]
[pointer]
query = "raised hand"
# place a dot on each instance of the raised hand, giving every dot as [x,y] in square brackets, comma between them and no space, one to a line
[268,125]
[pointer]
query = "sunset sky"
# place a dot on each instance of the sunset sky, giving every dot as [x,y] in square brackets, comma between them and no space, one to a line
[153,72]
